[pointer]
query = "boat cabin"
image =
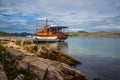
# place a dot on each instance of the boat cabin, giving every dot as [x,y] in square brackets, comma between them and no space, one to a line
[52,30]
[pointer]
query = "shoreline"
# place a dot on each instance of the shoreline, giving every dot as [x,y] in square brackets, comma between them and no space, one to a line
[28,57]
[96,36]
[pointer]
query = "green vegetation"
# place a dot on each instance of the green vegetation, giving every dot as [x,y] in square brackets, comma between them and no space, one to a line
[28,42]
[94,34]
[5,34]
[32,48]
[14,34]
[22,34]
[2,54]
[18,42]
[10,66]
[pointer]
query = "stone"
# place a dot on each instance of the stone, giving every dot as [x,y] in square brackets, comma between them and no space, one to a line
[12,44]
[2,73]
[19,77]
[55,70]
[69,77]
[15,54]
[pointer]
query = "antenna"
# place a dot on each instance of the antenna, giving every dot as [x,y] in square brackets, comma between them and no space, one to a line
[46,20]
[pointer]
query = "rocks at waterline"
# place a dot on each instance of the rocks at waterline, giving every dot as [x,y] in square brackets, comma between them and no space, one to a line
[55,70]
[49,53]
[48,69]
[46,52]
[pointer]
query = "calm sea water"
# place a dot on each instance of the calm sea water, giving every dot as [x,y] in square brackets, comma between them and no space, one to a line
[100,57]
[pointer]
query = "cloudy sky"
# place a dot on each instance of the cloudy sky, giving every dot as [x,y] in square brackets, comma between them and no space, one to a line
[78,15]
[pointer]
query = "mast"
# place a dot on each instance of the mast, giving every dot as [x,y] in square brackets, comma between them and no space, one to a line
[47,26]
[46,21]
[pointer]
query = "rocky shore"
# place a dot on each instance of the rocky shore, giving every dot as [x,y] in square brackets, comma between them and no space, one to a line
[2,73]
[43,66]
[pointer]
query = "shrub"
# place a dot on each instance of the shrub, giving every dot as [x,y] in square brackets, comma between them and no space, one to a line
[32,48]
[18,42]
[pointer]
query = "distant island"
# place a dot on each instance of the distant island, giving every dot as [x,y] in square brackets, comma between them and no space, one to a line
[23,34]
[94,34]
[79,33]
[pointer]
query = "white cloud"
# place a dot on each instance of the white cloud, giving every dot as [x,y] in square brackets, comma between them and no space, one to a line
[108,27]
[76,29]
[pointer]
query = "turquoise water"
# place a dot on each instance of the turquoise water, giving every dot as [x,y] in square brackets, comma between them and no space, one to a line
[102,47]
[100,57]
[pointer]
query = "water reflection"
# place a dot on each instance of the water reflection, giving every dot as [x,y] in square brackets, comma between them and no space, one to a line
[62,46]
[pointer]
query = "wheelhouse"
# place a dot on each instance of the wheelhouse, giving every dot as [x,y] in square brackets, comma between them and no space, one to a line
[58,29]
[53,30]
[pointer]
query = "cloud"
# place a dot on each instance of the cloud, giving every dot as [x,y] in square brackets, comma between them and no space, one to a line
[78,15]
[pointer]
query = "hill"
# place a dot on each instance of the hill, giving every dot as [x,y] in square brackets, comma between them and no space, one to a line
[94,34]
[14,34]
[5,34]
